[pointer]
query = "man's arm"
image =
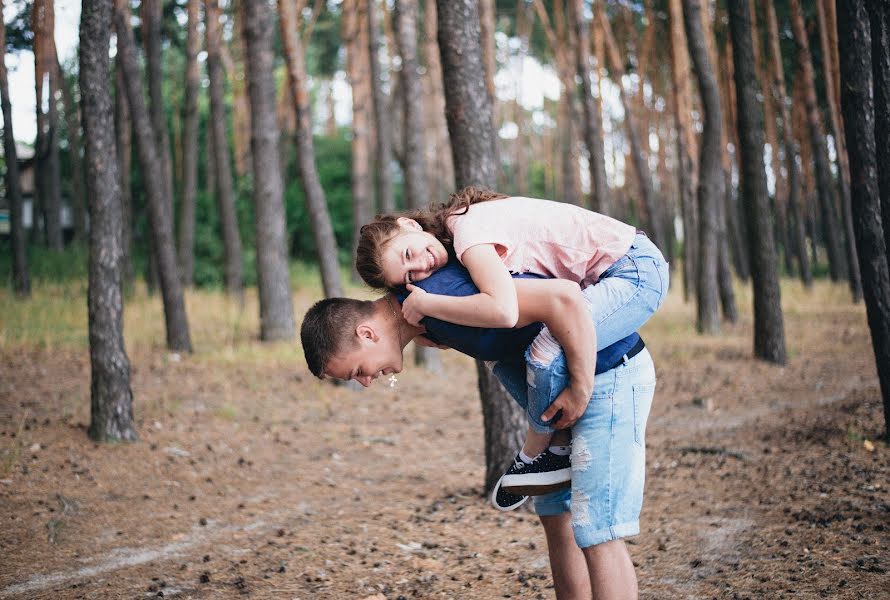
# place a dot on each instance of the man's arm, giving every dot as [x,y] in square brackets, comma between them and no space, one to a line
[559,304]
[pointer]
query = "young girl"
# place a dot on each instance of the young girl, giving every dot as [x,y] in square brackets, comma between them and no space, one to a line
[494,237]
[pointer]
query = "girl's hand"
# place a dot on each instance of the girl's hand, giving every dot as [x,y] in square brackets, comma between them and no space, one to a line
[412,307]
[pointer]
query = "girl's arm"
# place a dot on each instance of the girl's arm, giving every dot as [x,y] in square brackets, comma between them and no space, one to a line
[495,305]
[559,304]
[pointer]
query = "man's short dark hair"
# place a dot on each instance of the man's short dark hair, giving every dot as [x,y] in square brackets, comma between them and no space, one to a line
[328,329]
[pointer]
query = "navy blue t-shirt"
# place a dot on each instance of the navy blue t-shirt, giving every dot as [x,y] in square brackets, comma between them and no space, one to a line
[492,343]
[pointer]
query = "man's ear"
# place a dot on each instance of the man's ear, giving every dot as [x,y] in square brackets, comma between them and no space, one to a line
[406,223]
[366,333]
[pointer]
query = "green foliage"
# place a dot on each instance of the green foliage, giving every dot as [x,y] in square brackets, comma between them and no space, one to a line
[334,162]
[45,265]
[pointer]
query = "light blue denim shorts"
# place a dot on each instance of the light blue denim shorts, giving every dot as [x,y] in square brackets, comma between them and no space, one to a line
[626,295]
[608,453]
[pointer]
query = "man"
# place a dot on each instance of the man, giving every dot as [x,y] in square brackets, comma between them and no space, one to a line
[352,339]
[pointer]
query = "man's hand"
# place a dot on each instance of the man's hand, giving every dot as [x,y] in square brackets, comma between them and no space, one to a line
[411,307]
[572,403]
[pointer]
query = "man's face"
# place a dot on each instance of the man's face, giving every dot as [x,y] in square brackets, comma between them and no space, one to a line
[375,354]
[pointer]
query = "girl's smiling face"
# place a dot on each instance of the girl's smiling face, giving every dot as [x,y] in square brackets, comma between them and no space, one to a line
[411,255]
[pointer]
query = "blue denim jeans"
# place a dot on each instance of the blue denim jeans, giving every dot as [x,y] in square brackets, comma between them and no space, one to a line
[608,451]
[626,295]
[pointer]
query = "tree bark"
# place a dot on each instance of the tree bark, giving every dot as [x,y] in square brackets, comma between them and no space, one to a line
[439,164]
[316,205]
[708,320]
[21,280]
[150,11]
[383,159]
[728,306]
[111,400]
[405,20]
[123,130]
[640,160]
[593,118]
[879,16]
[686,145]
[733,224]
[469,113]
[769,328]
[47,144]
[795,215]
[840,148]
[856,65]
[355,36]
[416,186]
[772,138]
[830,222]
[190,145]
[75,144]
[276,306]
[225,195]
[240,101]
[159,210]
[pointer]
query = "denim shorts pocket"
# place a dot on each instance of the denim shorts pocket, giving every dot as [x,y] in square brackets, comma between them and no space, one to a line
[642,397]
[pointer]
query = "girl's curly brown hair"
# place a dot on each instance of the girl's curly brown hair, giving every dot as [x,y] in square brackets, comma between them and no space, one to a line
[374,236]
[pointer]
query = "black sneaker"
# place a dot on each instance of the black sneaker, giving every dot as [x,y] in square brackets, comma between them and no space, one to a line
[547,473]
[505,501]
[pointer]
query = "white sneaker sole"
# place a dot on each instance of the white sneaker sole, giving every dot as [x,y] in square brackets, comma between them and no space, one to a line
[494,503]
[548,478]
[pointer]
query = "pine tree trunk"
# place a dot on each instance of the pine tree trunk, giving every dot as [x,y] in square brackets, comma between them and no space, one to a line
[225,195]
[734,225]
[123,130]
[830,223]
[235,71]
[111,401]
[728,306]
[72,123]
[772,138]
[46,147]
[569,188]
[405,21]
[795,224]
[840,149]
[159,210]
[686,145]
[593,118]
[416,188]
[383,158]
[856,66]
[769,329]
[469,113]
[879,16]
[442,170]
[150,11]
[190,146]
[640,160]
[273,277]
[709,185]
[355,36]
[316,205]
[21,280]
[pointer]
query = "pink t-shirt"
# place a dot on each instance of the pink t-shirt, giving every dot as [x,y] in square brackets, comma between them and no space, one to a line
[549,238]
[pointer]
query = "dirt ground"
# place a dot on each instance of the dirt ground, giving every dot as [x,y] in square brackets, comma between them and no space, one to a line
[253,479]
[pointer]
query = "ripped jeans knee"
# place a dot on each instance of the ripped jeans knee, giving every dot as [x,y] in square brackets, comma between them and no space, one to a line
[544,348]
[546,376]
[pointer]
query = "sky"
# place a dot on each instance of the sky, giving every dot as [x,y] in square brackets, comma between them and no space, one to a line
[21,67]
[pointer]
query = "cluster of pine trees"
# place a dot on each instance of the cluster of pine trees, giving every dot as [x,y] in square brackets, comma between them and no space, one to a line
[735,132]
